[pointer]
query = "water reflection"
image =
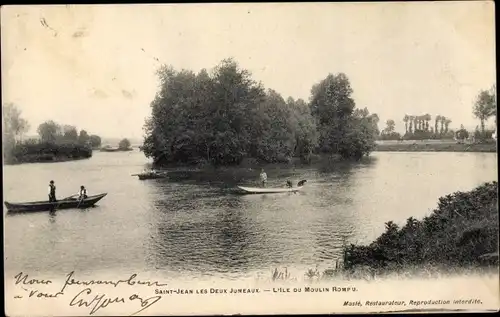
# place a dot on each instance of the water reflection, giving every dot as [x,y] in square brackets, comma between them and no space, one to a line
[204,229]
[199,227]
[52,216]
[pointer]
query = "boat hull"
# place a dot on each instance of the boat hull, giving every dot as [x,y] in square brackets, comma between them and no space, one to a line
[263,190]
[48,206]
[150,176]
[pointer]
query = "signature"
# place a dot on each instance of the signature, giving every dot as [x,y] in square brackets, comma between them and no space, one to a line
[86,297]
[101,301]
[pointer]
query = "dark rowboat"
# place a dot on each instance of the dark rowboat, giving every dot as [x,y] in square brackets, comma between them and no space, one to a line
[148,175]
[66,203]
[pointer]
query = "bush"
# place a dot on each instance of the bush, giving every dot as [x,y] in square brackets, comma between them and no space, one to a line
[458,233]
[46,151]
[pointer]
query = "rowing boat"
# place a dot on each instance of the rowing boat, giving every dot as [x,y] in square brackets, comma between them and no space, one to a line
[262,190]
[66,203]
[148,175]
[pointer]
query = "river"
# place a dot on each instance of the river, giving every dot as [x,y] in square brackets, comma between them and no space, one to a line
[198,229]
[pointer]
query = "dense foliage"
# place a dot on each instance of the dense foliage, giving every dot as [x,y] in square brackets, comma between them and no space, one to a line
[225,116]
[462,231]
[56,141]
[34,151]
[124,144]
[485,107]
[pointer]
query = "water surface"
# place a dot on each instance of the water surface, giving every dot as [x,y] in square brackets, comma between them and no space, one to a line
[197,229]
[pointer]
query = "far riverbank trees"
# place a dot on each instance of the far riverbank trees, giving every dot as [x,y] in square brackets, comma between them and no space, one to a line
[56,142]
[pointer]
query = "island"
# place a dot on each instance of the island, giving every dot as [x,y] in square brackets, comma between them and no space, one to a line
[223,117]
[54,143]
[123,146]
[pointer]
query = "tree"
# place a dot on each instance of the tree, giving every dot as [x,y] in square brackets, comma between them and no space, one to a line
[427,118]
[305,129]
[485,106]
[95,141]
[417,123]
[124,144]
[442,120]
[461,134]
[389,132]
[447,125]
[277,140]
[70,133]
[390,126]
[410,128]
[48,131]
[359,137]
[205,117]
[14,125]
[374,119]
[437,119]
[84,137]
[406,118]
[222,116]
[332,106]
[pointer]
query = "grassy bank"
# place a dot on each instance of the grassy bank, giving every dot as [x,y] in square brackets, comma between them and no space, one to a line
[461,233]
[422,146]
[47,152]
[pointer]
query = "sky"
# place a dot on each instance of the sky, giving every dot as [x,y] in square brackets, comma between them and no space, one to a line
[94,66]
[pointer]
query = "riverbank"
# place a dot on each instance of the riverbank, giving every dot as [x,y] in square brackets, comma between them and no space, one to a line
[45,159]
[47,152]
[247,172]
[460,234]
[422,146]
[116,150]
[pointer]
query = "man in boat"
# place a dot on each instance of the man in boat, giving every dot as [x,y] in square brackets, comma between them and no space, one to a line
[83,193]
[52,192]
[263,178]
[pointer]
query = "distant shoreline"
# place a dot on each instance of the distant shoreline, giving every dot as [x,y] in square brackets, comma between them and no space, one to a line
[418,146]
[115,150]
[38,159]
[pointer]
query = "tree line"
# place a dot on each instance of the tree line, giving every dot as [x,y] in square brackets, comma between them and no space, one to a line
[54,139]
[52,132]
[422,127]
[224,116]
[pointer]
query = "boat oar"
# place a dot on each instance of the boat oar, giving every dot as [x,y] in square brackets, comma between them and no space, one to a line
[65,198]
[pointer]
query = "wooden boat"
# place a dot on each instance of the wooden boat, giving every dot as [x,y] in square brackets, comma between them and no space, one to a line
[150,175]
[66,203]
[264,190]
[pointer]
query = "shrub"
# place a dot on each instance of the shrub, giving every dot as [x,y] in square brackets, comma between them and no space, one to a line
[462,229]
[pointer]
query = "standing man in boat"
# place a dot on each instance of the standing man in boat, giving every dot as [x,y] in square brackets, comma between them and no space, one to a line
[263,178]
[83,193]
[52,192]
